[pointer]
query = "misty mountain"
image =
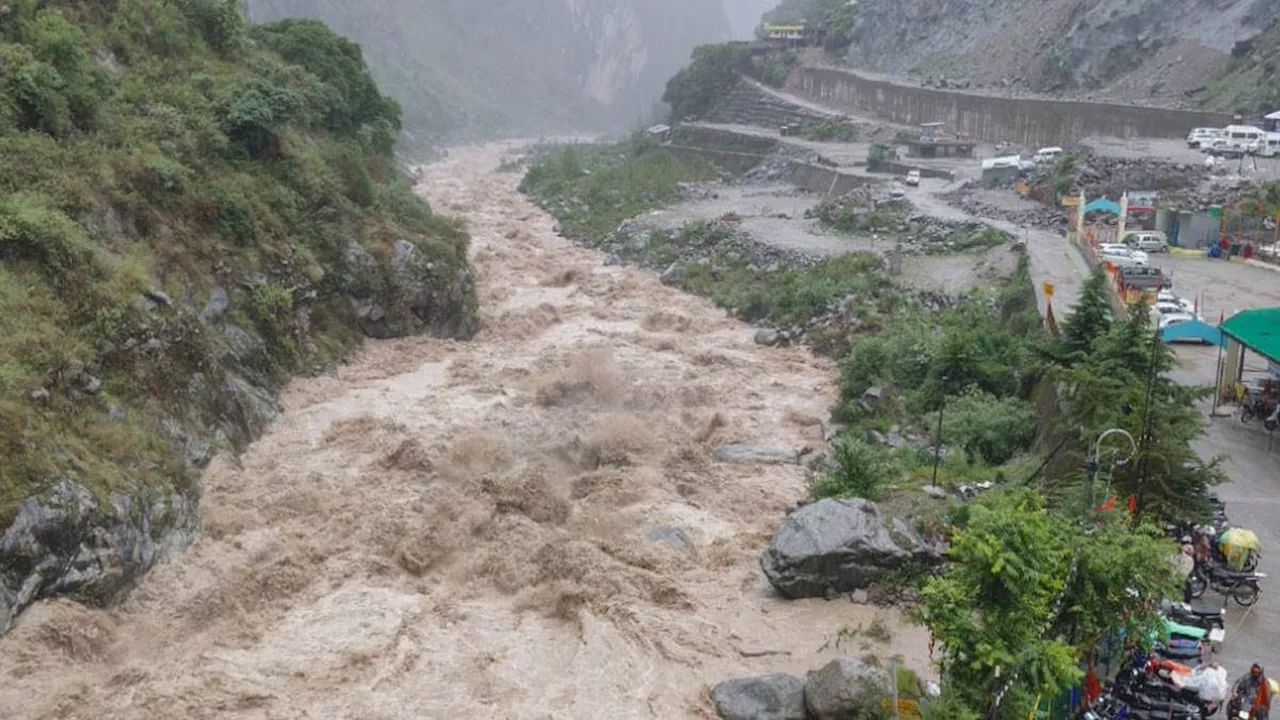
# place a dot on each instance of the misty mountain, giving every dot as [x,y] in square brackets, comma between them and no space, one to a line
[744,16]
[466,69]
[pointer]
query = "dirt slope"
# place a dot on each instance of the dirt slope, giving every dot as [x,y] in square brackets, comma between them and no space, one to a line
[459,529]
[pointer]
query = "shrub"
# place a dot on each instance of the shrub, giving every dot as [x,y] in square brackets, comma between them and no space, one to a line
[33,230]
[861,471]
[990,428]
[220,22]
[166,177]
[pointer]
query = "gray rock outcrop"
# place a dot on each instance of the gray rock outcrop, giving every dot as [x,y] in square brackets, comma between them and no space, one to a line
[766,697]
[838,546]
[845,689]
[67,543]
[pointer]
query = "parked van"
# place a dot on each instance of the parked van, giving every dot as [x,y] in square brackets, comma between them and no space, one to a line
[1147,241]
[1271,145]
[1245,138]
[1048,156]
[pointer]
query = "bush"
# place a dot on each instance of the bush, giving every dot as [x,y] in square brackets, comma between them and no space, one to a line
[861,471]
[220,22]
[989,428]
[166,177]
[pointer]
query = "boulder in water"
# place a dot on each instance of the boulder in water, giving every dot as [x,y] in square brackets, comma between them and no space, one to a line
[766,697]
[845,689]
[838,546]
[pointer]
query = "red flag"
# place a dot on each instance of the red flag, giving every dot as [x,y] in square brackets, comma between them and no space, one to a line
[1133,504]
[1222,317]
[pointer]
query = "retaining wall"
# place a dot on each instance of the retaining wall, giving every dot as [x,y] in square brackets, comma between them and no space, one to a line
[1025,121]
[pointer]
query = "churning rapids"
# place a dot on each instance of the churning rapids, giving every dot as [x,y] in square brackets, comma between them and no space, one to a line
[528,525]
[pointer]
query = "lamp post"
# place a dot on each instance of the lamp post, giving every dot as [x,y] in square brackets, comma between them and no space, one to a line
[1095,458]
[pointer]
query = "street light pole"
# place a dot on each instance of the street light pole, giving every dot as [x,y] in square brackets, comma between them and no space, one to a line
[1095,461]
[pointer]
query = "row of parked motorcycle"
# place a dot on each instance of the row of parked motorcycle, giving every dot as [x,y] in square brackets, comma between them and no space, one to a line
[1178,680]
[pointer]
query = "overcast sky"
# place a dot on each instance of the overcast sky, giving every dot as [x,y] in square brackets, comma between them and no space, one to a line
[744,15]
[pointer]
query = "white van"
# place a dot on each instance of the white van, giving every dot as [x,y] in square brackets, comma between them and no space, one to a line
[1245,138]
[1047,156]
[1147,241]
[1270,145]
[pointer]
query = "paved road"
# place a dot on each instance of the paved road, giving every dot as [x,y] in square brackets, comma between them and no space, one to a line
[1253,493]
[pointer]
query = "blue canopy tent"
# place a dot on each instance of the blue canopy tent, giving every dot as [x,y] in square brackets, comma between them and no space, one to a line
[1194,331]
[1102,205]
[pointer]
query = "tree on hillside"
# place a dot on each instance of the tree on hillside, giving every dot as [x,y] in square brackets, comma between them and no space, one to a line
[1123,383]
[1030,592]
[1092,315]
[993,610]
[713,72]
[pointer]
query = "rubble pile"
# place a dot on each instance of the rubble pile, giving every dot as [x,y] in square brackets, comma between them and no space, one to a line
[1037,216]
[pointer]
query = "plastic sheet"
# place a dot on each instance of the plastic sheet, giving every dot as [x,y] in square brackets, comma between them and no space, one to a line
[1208,681]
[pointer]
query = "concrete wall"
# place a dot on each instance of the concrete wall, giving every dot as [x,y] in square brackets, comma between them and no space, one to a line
[1027,122]
[825,180]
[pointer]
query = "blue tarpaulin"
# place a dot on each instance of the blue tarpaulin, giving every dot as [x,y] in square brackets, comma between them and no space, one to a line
[1194,331]
[1102,205]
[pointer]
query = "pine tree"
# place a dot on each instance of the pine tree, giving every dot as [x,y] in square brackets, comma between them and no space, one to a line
[1092,316]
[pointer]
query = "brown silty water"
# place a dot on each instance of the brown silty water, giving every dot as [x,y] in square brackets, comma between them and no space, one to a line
[447,529]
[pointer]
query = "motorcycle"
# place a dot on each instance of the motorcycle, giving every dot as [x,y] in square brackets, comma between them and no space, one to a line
[1239,586]
[1187,614]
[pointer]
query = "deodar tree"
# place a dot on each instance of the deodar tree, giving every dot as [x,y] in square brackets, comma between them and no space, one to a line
[1029,593]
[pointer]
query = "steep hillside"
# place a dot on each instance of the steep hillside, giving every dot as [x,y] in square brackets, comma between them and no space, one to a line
[191,211]
[483,67]
[1167,52]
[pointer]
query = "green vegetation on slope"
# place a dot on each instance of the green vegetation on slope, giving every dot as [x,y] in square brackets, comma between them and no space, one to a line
[715,70]
[158,154]
[591,188]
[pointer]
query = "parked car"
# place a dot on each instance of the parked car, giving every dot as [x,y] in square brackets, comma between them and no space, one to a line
[1220,146]
[913,178]
[1147,241]
[1047,156]
[1125,257]
[1169,308]
[1168,297]
[1168,321]
[897,191]
[1200,136]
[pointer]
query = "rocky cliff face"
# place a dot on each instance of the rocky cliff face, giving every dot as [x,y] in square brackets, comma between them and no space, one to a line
[489,67]
[1167,52]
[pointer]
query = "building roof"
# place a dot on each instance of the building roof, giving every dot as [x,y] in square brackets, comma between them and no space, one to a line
[1257,330]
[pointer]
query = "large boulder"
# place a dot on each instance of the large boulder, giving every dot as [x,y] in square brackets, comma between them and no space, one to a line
[67,543]
[845,689]
[766,697]
[838,546]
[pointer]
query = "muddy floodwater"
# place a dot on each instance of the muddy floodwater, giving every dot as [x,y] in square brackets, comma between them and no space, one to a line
[528,525]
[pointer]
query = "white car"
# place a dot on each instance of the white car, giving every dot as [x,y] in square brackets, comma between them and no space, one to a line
[1147,240]
[1170,308]
[1164,296]
[913,178]
[1124,257]
[1200,136]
